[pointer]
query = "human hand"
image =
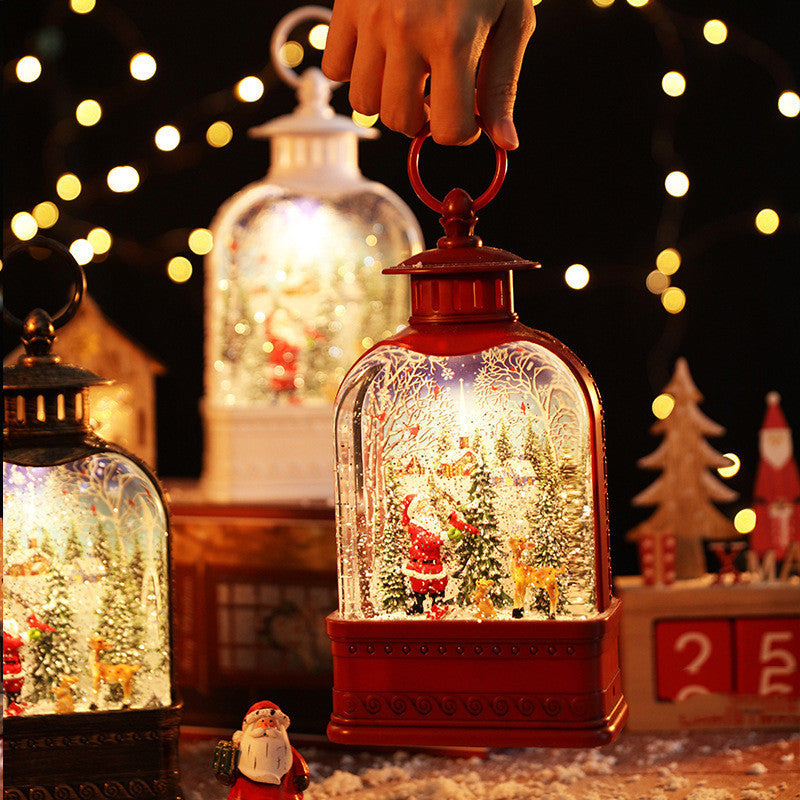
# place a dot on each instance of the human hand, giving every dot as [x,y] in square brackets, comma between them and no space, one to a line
[472,50]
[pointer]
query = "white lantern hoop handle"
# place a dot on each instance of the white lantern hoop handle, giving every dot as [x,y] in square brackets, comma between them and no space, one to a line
[281,35]
[67,312]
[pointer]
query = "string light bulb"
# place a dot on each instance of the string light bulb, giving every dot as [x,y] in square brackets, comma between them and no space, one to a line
[676,183]
[88,112]
[576,276]
[668,261]
[45,214]
[219,133]
[179,269]
[201,241]
[662,406]
[82,251]
[100,240]
[789,104]
[291,54]
[673,84]
[82,6]
[603,3]
[122,179]
[637,3]
[68,186]
[365,120]
[656,282]
[767,221]
[673,300]
[24,226]
[143,66]
[318,36]
[715,31]
[167,138]
[731,469]
[29,68]
[745,520]
[249,89]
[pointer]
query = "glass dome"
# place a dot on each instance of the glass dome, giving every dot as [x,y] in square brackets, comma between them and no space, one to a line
[427,445]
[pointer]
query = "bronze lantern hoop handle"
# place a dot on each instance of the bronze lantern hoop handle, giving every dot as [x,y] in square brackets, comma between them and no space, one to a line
[501,166]
[68,311]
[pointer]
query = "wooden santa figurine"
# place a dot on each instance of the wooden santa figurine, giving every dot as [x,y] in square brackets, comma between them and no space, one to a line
[264,765]
[776,496]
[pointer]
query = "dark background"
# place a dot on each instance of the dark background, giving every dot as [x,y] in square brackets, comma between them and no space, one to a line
[598,136]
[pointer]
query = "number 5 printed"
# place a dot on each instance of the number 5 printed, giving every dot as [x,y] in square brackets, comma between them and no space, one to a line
[769,652]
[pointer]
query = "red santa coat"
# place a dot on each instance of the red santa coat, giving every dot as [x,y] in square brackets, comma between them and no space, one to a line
[13,672]
[425,566]
[246,789]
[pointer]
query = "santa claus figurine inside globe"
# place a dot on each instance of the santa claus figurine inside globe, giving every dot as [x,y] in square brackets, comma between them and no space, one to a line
[259,762]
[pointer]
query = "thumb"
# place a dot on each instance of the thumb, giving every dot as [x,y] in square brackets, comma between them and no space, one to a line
[499,70]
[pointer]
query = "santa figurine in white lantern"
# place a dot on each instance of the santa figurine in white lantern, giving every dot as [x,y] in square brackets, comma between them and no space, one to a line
[264,765]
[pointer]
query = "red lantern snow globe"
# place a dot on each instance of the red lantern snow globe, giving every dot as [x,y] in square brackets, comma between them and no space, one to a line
[475,601]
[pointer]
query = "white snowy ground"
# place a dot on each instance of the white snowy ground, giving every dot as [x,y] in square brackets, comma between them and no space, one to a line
[685,766]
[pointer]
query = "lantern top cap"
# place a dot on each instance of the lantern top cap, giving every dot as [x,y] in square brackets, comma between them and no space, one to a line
[460,250]
[314,115]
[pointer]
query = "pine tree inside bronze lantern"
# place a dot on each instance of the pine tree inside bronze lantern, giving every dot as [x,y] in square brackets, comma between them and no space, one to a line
[475,602]
[89,707]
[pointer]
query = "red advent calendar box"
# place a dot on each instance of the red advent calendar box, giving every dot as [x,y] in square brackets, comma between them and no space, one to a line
[693,657]
[768,656]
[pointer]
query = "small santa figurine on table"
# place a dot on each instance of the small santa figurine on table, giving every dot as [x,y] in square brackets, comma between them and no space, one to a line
[268,766]
[776,496]
[425,566]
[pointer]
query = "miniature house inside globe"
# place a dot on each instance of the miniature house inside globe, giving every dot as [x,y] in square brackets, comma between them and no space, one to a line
[474,585]
[294,294]
[86,586]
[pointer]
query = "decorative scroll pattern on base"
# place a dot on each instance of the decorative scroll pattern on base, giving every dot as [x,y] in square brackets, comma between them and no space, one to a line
[137,789]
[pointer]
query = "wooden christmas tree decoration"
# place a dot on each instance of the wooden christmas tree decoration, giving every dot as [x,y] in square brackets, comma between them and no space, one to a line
[685,491]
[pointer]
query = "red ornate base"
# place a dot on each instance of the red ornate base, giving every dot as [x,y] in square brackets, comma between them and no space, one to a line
[498,683]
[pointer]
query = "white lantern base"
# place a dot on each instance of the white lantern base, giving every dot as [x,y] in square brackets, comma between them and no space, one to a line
[272,454]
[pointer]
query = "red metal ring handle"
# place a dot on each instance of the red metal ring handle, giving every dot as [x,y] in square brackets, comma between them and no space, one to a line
[501,165]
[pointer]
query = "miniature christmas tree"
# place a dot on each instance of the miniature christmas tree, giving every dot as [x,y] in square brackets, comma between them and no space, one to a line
[480,555]
[392,581]
[54,652]
[73,548]
[502,445]
[577,531]
[685,491]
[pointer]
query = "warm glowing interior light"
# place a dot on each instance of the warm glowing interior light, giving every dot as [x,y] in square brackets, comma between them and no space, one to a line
[637,3]
[88,112]
[291,54]
[656,282]
[662,406]
[715,31]
[673,84]
[82,6]
[68,187]
[668,261]
[219,134]
[122,179]
[167,138]
[179,269]
[45,214]
[364,120]
[249,89]
[29,68]
[24,226]
[789,104]
[143,66]
[82,251]
[201,241]
[676,183]
[745,520]
[673,300]
[603,3]
[576,276]
[730,471]
[100,240]
[318,35]
[767,221]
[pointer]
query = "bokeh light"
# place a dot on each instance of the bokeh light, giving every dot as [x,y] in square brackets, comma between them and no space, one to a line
[82,251]
[730,471]
[668,261]
[100,240]
[249,89]
[673,84]
[637,3]
[715,31]
[291,54]
[318,35]
[364,120]
[88,112]
[29,68]
[576,276]
[603,3]
[656,282]
[662,406]
[24,226]
[745,520]
[122,179]
[676,183]
[767,221]
[82,6]
[167,138]
[179,269]
[673,300]
[68,186]
[45,214]
[219,133]
[143,66]
[789,104]
[201,241]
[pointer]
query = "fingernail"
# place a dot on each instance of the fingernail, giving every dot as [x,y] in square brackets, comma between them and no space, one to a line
[507,133]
